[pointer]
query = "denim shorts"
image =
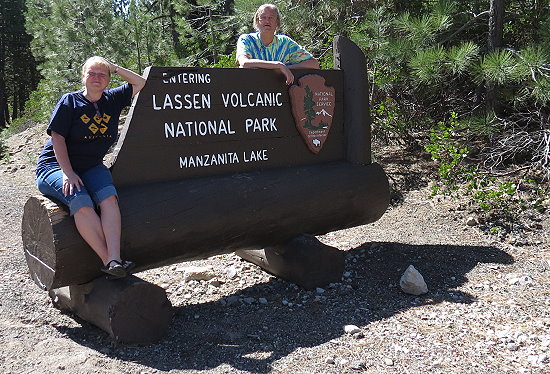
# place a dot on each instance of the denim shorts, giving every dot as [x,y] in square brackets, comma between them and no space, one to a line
[98,185]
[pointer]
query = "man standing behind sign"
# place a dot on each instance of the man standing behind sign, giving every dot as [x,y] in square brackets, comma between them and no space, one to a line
[83,125]
[263,49]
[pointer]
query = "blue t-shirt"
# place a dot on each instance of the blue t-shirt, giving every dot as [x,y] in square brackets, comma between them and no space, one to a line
[282,49]
[89,128]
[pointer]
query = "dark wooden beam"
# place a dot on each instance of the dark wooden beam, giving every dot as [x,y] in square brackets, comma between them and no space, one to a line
[357,121]
[129,309]
[302,260]
[168,223]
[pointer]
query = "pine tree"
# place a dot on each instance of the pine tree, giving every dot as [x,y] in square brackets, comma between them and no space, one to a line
[66,33]
[18,75]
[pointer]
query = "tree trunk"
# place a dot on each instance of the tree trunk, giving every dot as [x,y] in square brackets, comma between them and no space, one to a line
[494,42]
[3,98]
[496,25]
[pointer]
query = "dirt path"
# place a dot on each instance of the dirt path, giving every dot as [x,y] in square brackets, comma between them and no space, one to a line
[487,311]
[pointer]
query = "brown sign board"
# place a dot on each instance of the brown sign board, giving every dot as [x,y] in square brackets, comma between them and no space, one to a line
[195,122]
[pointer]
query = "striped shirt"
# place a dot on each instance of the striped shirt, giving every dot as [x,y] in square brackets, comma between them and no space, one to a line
[282,49]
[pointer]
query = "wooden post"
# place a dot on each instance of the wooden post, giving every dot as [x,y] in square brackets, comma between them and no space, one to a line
[129,309]
[357,122]
[303,260]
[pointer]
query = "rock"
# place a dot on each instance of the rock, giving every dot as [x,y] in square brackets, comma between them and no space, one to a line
[232,300]
[519,279]
[231,272]
[198,273]
[249,300]
[412,282]
[320,290]
[330,360]
[215,283]
[351,329]
[471,221]
[358,365]
[388,361]
[262,300]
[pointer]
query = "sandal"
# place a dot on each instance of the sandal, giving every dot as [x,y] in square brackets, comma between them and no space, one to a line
[115,269]
[128,265]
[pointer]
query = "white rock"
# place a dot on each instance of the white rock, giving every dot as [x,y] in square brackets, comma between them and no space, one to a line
[388,361]
[412,282]
[471,221]
[519,279]
[358,365]
[199,273]
[231,272]
[351,329]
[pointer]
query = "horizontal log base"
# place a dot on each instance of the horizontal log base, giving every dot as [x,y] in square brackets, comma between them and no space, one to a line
[168,223]
[303,260]
[129,309]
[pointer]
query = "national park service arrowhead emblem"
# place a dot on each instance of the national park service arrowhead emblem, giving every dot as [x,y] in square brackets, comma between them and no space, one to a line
[313,107]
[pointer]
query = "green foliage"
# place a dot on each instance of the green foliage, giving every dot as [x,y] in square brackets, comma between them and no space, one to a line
[502,202]
[499,67]
[66,33]
[450,156]
[226,61]
[386,120]
[18,74]
[460,58]
[4,155]
[499,201]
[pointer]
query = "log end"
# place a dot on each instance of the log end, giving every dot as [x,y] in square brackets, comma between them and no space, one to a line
[303,260]
[129,309]
[38,239]
[55,252]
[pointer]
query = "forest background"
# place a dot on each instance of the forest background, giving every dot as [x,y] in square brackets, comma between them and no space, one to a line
[466,82]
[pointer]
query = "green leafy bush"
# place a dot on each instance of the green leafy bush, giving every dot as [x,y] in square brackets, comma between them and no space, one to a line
[450,156]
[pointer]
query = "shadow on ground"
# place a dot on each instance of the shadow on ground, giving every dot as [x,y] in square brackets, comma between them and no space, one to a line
[250,337]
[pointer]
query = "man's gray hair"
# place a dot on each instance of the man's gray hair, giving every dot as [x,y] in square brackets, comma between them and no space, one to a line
[261,9]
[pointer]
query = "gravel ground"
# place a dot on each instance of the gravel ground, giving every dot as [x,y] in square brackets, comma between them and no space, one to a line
[487,309]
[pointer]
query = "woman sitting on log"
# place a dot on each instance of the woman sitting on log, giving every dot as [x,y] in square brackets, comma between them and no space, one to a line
[70,169]
[264,49]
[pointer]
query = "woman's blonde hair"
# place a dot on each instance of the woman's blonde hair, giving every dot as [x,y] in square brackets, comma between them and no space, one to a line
[261,9]
[95,60]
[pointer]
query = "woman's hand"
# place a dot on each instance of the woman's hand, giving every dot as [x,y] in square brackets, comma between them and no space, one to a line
[70,182]
[136,80]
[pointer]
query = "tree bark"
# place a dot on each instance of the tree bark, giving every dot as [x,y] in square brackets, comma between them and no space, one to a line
[496,25]
[494,42]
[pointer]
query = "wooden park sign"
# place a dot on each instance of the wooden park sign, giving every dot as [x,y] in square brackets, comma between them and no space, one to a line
[214,161]
[197,122]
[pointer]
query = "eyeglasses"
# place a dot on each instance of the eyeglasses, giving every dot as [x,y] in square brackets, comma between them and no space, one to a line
[96,75]
[97,112]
